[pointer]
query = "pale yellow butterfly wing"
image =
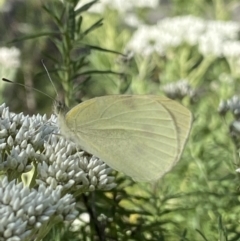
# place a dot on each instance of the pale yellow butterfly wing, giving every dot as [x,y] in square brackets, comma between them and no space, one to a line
[141,136]
[182,118]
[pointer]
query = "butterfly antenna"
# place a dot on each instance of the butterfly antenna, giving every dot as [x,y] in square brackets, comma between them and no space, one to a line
[49,77]
[27,86]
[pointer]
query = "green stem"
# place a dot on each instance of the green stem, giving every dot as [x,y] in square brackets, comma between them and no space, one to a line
[196,76]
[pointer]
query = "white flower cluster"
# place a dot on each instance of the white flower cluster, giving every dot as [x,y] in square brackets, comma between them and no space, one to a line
[9,61]
[119,5]
[179,90]
[9,57]
[26,140]
[62,164]
[216,38]
[60,168]
[232,104]
[21,139]
[26,212]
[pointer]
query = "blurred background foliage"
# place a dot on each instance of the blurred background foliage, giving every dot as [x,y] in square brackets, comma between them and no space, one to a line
[115,49]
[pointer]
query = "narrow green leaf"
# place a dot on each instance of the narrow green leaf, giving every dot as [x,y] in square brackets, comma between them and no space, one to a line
[85,7]
[90,72]
[52,14]
[79,24]
[105,50]
[93,27]
[33,36]
[202,235]
[50,56]
[222,231]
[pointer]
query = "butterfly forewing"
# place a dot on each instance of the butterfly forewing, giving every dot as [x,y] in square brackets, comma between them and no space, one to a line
[137,135]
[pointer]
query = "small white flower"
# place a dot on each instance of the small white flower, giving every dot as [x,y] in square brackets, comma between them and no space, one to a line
[186,28]
[233,105]
[9,57]
[211,43]
[231,49]
[146,40]
[179,90]
[118,5]
[132,20]
[144,3]
[228,30]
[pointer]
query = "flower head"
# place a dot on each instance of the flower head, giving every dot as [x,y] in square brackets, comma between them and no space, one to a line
[179,90]
[26,212]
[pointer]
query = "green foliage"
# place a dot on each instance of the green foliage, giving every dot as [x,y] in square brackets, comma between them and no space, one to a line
[218,9]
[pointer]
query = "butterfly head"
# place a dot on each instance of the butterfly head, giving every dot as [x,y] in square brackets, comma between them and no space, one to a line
[60,108]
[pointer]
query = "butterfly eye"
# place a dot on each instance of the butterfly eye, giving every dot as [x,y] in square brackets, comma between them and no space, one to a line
[59,107]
